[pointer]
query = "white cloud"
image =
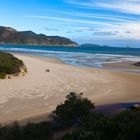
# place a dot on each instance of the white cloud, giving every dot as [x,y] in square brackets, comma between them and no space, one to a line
[134,28]
[121,31]
[129,29]
[51,29]
[117,26]
[124,6]
[92,15]
[71,20]
[107,29]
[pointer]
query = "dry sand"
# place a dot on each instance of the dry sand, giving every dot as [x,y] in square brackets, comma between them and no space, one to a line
[39,92]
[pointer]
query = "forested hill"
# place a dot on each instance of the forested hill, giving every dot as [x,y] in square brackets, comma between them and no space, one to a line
[11,36]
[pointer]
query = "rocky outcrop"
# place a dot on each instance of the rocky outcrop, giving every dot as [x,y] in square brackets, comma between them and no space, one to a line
[137,64]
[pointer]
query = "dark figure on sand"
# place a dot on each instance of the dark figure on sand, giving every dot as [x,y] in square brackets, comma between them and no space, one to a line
[47,70]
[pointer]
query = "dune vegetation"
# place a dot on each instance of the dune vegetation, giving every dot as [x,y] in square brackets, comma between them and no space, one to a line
[75,119]
[9,64]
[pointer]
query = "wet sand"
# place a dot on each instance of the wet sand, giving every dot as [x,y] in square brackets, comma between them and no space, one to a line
[123,66]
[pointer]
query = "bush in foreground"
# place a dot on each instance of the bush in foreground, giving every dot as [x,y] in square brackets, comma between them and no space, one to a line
[73,110]
[91,125]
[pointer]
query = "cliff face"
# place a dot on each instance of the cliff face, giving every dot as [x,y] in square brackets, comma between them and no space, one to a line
[11,36]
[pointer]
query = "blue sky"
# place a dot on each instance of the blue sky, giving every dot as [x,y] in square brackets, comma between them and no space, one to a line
[105,22]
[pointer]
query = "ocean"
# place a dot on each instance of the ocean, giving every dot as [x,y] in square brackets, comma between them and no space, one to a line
[81,56]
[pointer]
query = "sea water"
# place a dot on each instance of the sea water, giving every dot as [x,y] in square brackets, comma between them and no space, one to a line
[81,56]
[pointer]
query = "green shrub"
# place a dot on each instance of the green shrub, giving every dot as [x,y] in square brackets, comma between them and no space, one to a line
[9,64]
[73,110]
[93,126]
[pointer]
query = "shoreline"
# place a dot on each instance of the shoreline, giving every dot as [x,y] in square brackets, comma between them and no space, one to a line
[126,67]
[39,92]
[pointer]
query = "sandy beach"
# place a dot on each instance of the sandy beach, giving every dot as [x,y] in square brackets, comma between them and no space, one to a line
[38,92]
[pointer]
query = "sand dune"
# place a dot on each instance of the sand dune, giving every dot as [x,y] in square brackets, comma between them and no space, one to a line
[39,91]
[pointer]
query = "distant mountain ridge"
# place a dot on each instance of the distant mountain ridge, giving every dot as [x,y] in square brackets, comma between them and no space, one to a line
[9,35]
[93,45]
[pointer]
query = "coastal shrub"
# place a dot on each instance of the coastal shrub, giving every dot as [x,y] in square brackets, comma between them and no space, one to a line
[91,125]
[9,64]
[128,124]
[123,126]
[2,75]
[73,110]
[40,131]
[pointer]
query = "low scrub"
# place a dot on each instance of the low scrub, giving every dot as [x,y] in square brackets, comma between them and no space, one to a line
[78,113]
[9,64]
